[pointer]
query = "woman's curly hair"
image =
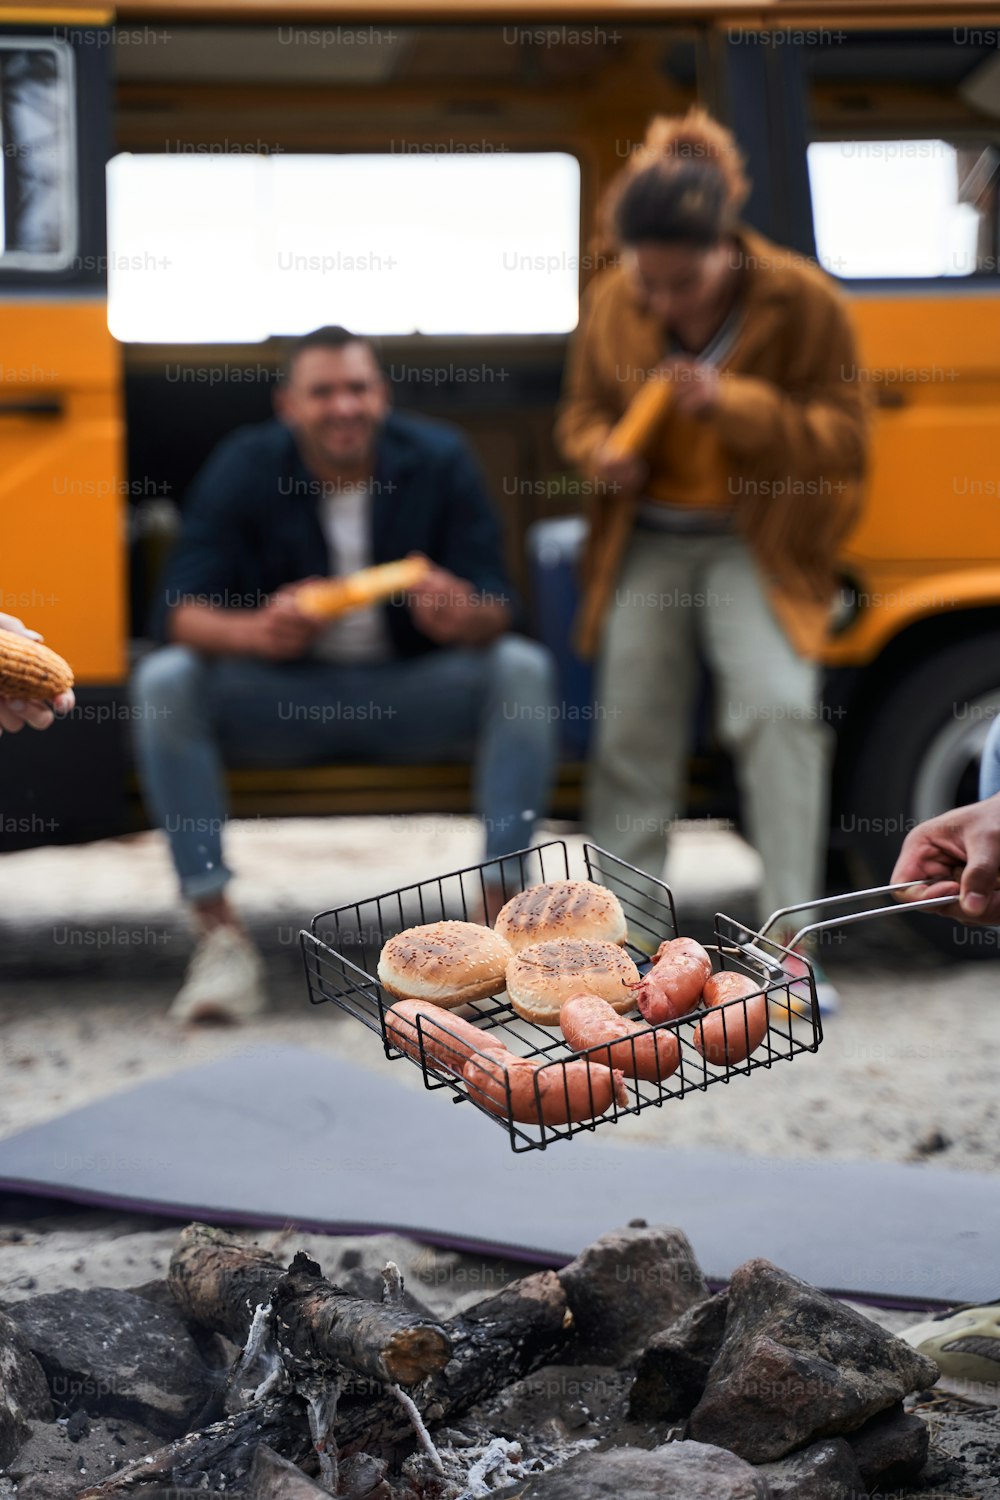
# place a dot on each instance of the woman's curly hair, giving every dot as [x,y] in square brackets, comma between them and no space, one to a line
[685,182]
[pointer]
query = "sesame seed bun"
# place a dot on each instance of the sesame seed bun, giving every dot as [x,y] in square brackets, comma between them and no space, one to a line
[541,977]
[562,909]
[449,963]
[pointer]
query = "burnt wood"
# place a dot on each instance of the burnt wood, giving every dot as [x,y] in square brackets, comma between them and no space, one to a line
[219,1282]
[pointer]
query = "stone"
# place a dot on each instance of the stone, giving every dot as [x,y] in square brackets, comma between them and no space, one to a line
[673,1368]
[112,1353]
[557,1402]
[52,1454]
[628,1285]
[694,1471]
[891,1449]
[216,1351]
[24,1393]
[50,1487]
[274,1478]
[78,1425]
[796,1366]
[825,1471]
[364,1478]
[177,1492]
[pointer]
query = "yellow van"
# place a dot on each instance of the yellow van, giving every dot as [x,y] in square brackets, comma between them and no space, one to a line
[258,164]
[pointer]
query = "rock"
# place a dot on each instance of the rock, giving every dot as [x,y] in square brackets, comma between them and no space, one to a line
[50,1487]
[930,1144]
[274,1478]
[111,1352]
[557,1401]
[108,1444]
[628,1285]
[673,1368]
[156,1291]
[891,1449]
[796,1366]
[694,1471]
[364,1478]
[23,1391]
[826,1471]
[216,1351]
[78,1426]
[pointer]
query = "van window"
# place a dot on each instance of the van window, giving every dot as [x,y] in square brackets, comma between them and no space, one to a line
[904,208]
[209,248]
[38,220]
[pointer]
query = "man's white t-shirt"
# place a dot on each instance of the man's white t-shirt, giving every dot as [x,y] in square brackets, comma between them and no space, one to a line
[361,636]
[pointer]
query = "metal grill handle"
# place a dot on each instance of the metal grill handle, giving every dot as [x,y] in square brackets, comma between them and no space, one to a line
[845,918]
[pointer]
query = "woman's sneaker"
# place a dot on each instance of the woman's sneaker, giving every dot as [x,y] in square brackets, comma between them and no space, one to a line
[224,980]
[795,996]
[827,994]
[964,1344]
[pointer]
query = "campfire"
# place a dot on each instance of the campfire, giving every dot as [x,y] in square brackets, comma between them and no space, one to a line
[621,1374]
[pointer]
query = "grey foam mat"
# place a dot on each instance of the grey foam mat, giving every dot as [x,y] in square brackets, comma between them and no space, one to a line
[278,1134]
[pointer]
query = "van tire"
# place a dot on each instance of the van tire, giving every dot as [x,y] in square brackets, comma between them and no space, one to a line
[903,771]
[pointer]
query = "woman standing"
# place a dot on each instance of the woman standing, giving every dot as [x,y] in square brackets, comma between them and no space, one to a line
[721,535]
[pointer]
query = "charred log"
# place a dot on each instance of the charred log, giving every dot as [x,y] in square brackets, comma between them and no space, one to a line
[493,1343]
[219,1282]
[216,1458]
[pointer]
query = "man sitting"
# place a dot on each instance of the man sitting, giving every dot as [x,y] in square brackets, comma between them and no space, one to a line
[337,483]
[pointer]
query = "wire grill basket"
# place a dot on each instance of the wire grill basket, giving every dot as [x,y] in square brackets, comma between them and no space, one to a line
[342,947]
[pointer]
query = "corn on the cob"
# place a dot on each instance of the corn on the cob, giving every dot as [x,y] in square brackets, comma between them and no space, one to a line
[31,671]
[326,598]
[641,417]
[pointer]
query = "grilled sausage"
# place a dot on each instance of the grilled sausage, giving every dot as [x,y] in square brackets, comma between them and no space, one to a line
[588,1021]
[673,986]
[569,1091]
[448,1040]
[729,1035]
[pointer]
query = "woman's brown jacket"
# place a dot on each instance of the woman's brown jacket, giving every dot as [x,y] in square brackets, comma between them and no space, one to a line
[786,446]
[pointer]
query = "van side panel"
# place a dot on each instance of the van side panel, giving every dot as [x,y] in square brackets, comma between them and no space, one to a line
[932,360]
[62,486]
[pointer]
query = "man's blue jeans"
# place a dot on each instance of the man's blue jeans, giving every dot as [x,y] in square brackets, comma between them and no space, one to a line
[196,713]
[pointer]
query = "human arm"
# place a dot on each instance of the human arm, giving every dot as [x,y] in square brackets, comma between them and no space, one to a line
[202,604]
[465,598]
[958,853]
[816,421]
[451,612]
[276,631]
[587,413]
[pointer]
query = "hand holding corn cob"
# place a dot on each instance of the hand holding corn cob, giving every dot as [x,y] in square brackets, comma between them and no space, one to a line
[327,598]
[31,677]
[620,462]
[644,413]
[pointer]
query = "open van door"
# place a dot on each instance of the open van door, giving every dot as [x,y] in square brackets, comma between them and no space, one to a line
[62,557]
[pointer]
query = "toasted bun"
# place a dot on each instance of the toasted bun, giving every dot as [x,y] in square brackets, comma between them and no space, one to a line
[450,963]
[540,978]
[562,909]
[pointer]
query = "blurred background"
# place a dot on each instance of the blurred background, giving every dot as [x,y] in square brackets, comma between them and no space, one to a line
[218,179]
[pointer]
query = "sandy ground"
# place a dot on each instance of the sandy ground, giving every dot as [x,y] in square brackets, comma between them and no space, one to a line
[92,946]
[891,1080]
